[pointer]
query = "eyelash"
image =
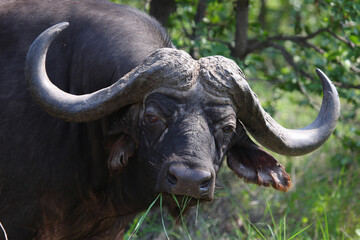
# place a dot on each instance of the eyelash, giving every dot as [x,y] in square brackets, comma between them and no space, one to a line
[151,118]
[228,129]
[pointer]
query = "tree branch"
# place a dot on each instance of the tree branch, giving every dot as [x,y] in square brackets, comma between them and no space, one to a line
[346,86]
[220,41]
[256,45]
[289,59]
[188,35]
[355,69]
[341,38]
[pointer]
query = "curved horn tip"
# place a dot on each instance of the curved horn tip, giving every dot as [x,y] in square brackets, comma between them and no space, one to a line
[322,76]
[61,26]
[325,81]
[55,29]
[318,71]
[47,37]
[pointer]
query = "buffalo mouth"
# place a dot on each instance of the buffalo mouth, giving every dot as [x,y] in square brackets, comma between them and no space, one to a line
[179,205]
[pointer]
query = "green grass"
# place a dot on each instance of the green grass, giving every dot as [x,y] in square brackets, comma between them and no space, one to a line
[323,203]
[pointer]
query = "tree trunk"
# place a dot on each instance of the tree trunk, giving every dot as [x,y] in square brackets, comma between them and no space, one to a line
[162,9]
[242,14]
[200,14]
[262,14]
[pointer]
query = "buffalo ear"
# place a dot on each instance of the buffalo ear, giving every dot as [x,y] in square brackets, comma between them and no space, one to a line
[122,148]
[121,137]
[255,165]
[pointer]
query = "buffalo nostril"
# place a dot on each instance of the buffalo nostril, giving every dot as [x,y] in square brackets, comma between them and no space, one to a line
[172,179]
[195,182]
[205,184]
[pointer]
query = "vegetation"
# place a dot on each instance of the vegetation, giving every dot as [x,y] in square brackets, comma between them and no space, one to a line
[278,44]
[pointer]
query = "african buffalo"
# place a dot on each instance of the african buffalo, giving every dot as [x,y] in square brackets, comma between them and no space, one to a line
[125,117]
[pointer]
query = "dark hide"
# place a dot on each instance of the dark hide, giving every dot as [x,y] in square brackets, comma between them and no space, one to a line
[54,180]
[61,180]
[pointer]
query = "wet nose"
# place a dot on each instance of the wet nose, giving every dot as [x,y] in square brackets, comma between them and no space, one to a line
[197,183]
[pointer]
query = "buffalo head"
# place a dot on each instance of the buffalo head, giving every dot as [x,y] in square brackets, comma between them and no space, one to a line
[182,117]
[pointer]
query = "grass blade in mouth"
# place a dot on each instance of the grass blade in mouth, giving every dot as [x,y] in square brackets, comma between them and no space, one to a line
[3,229]
[181,209]
[197,211]
[162,218]
[141,220]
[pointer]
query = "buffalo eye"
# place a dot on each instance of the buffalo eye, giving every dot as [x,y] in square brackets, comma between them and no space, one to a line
[228,129]
[151,118]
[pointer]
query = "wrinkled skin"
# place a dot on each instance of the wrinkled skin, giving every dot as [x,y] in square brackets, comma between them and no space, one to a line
[193,131]
[171,122]
[185,131]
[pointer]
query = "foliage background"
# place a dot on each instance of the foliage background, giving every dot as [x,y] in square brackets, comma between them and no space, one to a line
[285,42]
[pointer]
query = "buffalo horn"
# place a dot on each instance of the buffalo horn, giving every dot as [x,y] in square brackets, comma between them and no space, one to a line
[290,142]
[176,67]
